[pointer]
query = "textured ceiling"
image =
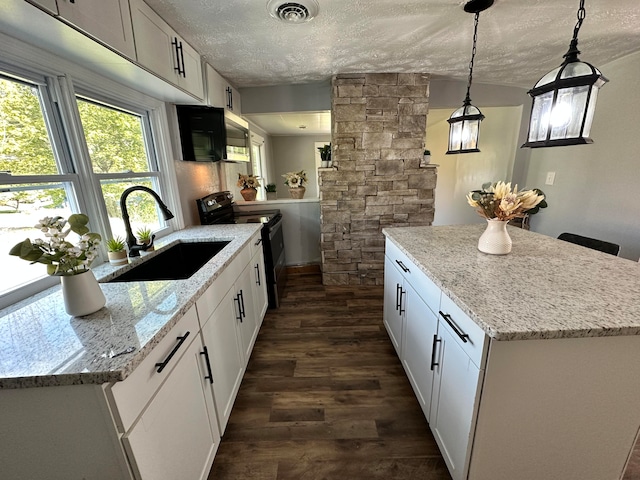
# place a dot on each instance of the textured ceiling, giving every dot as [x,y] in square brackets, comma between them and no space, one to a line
[518,40]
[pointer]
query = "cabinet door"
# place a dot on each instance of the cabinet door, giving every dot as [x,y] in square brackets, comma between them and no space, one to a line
[419,342]
[259,282]
[107,21]
[191,78]
[455,398]
[394,305]
[219,334]
[234,102]
[245,313]
[154,40]
[215,88]
[173,437]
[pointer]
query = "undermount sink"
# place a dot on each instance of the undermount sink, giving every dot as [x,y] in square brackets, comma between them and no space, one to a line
[175,263]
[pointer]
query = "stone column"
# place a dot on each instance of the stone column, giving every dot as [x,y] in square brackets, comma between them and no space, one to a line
[378,130]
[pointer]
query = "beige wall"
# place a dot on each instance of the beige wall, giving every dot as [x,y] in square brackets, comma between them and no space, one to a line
[595,185]
[195,180]
[294,154]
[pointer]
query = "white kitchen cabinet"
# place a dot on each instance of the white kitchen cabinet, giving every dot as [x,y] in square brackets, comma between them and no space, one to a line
[393,313]
[244,312]
[48,5]
[259,283]
[161,50]
[106,21]
[220,336]
[220,93]
[419,347]
[174,437]
[456,392]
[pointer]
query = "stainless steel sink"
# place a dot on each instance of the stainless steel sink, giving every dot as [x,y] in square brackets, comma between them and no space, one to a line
[175,263]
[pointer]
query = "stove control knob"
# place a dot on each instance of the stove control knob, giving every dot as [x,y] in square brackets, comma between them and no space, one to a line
[211,203]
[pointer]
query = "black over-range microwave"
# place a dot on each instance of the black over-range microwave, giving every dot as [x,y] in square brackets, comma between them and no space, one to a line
[210,134]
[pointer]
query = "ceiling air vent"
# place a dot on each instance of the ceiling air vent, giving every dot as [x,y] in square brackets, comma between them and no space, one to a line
[293,12]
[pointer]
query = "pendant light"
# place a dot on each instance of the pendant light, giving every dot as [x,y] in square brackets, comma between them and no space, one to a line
[464,123]
[564,100]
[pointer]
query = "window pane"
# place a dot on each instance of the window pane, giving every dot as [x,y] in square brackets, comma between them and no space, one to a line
[20,210]
[25,148]
[115,139]
[141,206]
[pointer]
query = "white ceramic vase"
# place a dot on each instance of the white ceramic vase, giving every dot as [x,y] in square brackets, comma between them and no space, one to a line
[82,294]
[495,240]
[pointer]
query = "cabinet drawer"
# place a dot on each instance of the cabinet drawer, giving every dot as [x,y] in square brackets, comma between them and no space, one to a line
[212,297]
[132,395]
[256,243]
[476,340]
[424,287]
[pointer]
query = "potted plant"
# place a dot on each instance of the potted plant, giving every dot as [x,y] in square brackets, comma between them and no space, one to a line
[325,155]
[144,236]
[271,191]
[426,158]
[249,186]
[295,181]
[80,289]
[116,251]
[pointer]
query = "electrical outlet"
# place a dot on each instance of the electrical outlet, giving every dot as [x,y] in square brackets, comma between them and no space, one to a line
[551,177]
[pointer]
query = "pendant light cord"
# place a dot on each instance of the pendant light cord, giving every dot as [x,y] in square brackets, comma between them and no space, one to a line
[572,53]
[467,100]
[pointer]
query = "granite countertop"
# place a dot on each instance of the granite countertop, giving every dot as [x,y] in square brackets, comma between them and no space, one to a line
[41,345]
[545,288]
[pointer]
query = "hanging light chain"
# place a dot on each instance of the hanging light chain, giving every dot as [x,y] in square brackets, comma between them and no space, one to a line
[473,55]
[572,53]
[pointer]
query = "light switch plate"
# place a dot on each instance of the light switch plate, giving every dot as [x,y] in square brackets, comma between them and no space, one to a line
[551,177]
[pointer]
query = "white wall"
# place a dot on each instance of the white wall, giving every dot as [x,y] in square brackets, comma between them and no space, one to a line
[458,174]
[595,185]
[297,153]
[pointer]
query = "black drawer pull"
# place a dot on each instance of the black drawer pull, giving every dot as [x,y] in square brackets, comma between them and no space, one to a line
[403,267]
[173,352]
[433,352]
[237,299]
[208,363]
[242,311]
[463,336]
[398,289]
[258,242]
[402,310]
[257,267]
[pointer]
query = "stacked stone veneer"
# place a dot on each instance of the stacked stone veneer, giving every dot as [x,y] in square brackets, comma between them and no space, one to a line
[378,132]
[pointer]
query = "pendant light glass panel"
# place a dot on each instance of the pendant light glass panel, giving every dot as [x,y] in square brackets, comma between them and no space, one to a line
[464,130]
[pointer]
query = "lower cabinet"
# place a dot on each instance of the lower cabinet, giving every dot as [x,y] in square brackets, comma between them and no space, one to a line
[443,354]
[244,312]
[177,435]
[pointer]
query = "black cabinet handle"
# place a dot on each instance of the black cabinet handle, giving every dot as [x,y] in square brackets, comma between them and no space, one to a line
[229,98]
[463,336]
[402,310]
[258,242]
[433,352]
[184,70]
[208,363]
[242,312]
[398,289]
[166,361]
[258,274]
[178,47]
[403,267]
[237,299]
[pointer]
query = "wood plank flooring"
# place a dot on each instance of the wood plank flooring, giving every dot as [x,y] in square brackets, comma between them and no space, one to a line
[325,397]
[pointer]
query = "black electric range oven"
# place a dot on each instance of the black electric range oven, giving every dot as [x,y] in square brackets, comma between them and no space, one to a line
[217,208]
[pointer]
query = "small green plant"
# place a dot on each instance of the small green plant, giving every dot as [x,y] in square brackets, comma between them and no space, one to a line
[115,244]
[271,187]
[427,152]
[325,152]
[144,235]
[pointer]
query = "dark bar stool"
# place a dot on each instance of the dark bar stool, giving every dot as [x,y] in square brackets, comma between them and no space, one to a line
[601,245]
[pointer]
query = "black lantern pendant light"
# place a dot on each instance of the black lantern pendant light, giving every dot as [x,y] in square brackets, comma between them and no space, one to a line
[564,100]
[464,123]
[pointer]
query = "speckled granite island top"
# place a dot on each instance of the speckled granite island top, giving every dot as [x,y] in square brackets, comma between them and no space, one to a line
[41,345]
[545,288]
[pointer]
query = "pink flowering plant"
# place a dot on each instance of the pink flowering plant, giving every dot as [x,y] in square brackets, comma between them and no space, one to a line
[498,201]
[59,255]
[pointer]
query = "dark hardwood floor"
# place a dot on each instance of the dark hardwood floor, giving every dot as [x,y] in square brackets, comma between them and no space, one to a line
[325,397]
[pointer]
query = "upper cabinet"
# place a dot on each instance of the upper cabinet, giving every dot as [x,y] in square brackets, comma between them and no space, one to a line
[162,51]
[221,93]
[107,21]
[48,5]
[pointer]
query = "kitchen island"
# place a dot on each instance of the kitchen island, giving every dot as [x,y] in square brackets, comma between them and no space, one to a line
[534,355]
[128,391]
